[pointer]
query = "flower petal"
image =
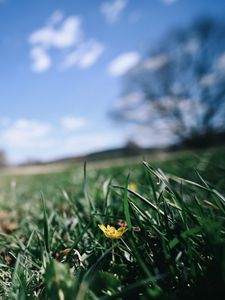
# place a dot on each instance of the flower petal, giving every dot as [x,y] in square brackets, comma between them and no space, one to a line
[111,232]
[122,229]
[102,227]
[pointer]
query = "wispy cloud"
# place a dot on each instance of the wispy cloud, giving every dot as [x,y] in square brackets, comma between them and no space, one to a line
[191,46]
[56,17]
[155,63]
[112,9]
[41,61]
[141,133]
[24,132]
[129,100]
[208,80]
[220,62]
[168,1]
[55,35]
[26,139]
[84,56]
[63,33]
[123,63]
[73,123]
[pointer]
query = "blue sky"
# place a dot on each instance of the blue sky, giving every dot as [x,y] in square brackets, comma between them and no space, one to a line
[62,65]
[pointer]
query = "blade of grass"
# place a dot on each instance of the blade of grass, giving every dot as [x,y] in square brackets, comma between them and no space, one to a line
[154,207]
[45,223]
[126,206]
[85,188]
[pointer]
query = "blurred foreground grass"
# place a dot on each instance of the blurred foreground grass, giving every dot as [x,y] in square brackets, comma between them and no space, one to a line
[51,246]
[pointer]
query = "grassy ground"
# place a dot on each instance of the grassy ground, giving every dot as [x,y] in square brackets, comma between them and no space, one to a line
[52,248]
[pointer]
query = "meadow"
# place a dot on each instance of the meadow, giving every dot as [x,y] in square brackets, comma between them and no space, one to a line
[173,245]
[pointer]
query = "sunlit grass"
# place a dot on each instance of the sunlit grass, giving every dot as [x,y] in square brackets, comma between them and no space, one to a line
[173,248]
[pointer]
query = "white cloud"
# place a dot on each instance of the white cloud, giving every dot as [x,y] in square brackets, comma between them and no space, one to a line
[25,139]
[23,133]
[217,75]
[55,36]
[146,136]
[73,123]
[208,80]
[220,62]
[148,111]
[140,115]
[85,55]
[130,100]
[56,17]
[123,63]
[156,62]
[63,33]
[41,61]
[191,46]
[92,54]
[112,9]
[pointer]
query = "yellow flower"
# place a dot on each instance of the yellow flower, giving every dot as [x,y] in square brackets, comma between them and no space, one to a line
[111,232]
[132,186]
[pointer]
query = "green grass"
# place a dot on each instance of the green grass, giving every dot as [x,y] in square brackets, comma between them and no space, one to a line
[51,246]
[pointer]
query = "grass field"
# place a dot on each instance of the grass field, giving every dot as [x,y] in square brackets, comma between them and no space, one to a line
[174,248]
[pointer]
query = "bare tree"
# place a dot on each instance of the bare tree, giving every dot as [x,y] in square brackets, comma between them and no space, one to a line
[180,86]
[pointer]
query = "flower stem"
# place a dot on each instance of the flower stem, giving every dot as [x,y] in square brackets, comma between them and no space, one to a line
[113,253]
